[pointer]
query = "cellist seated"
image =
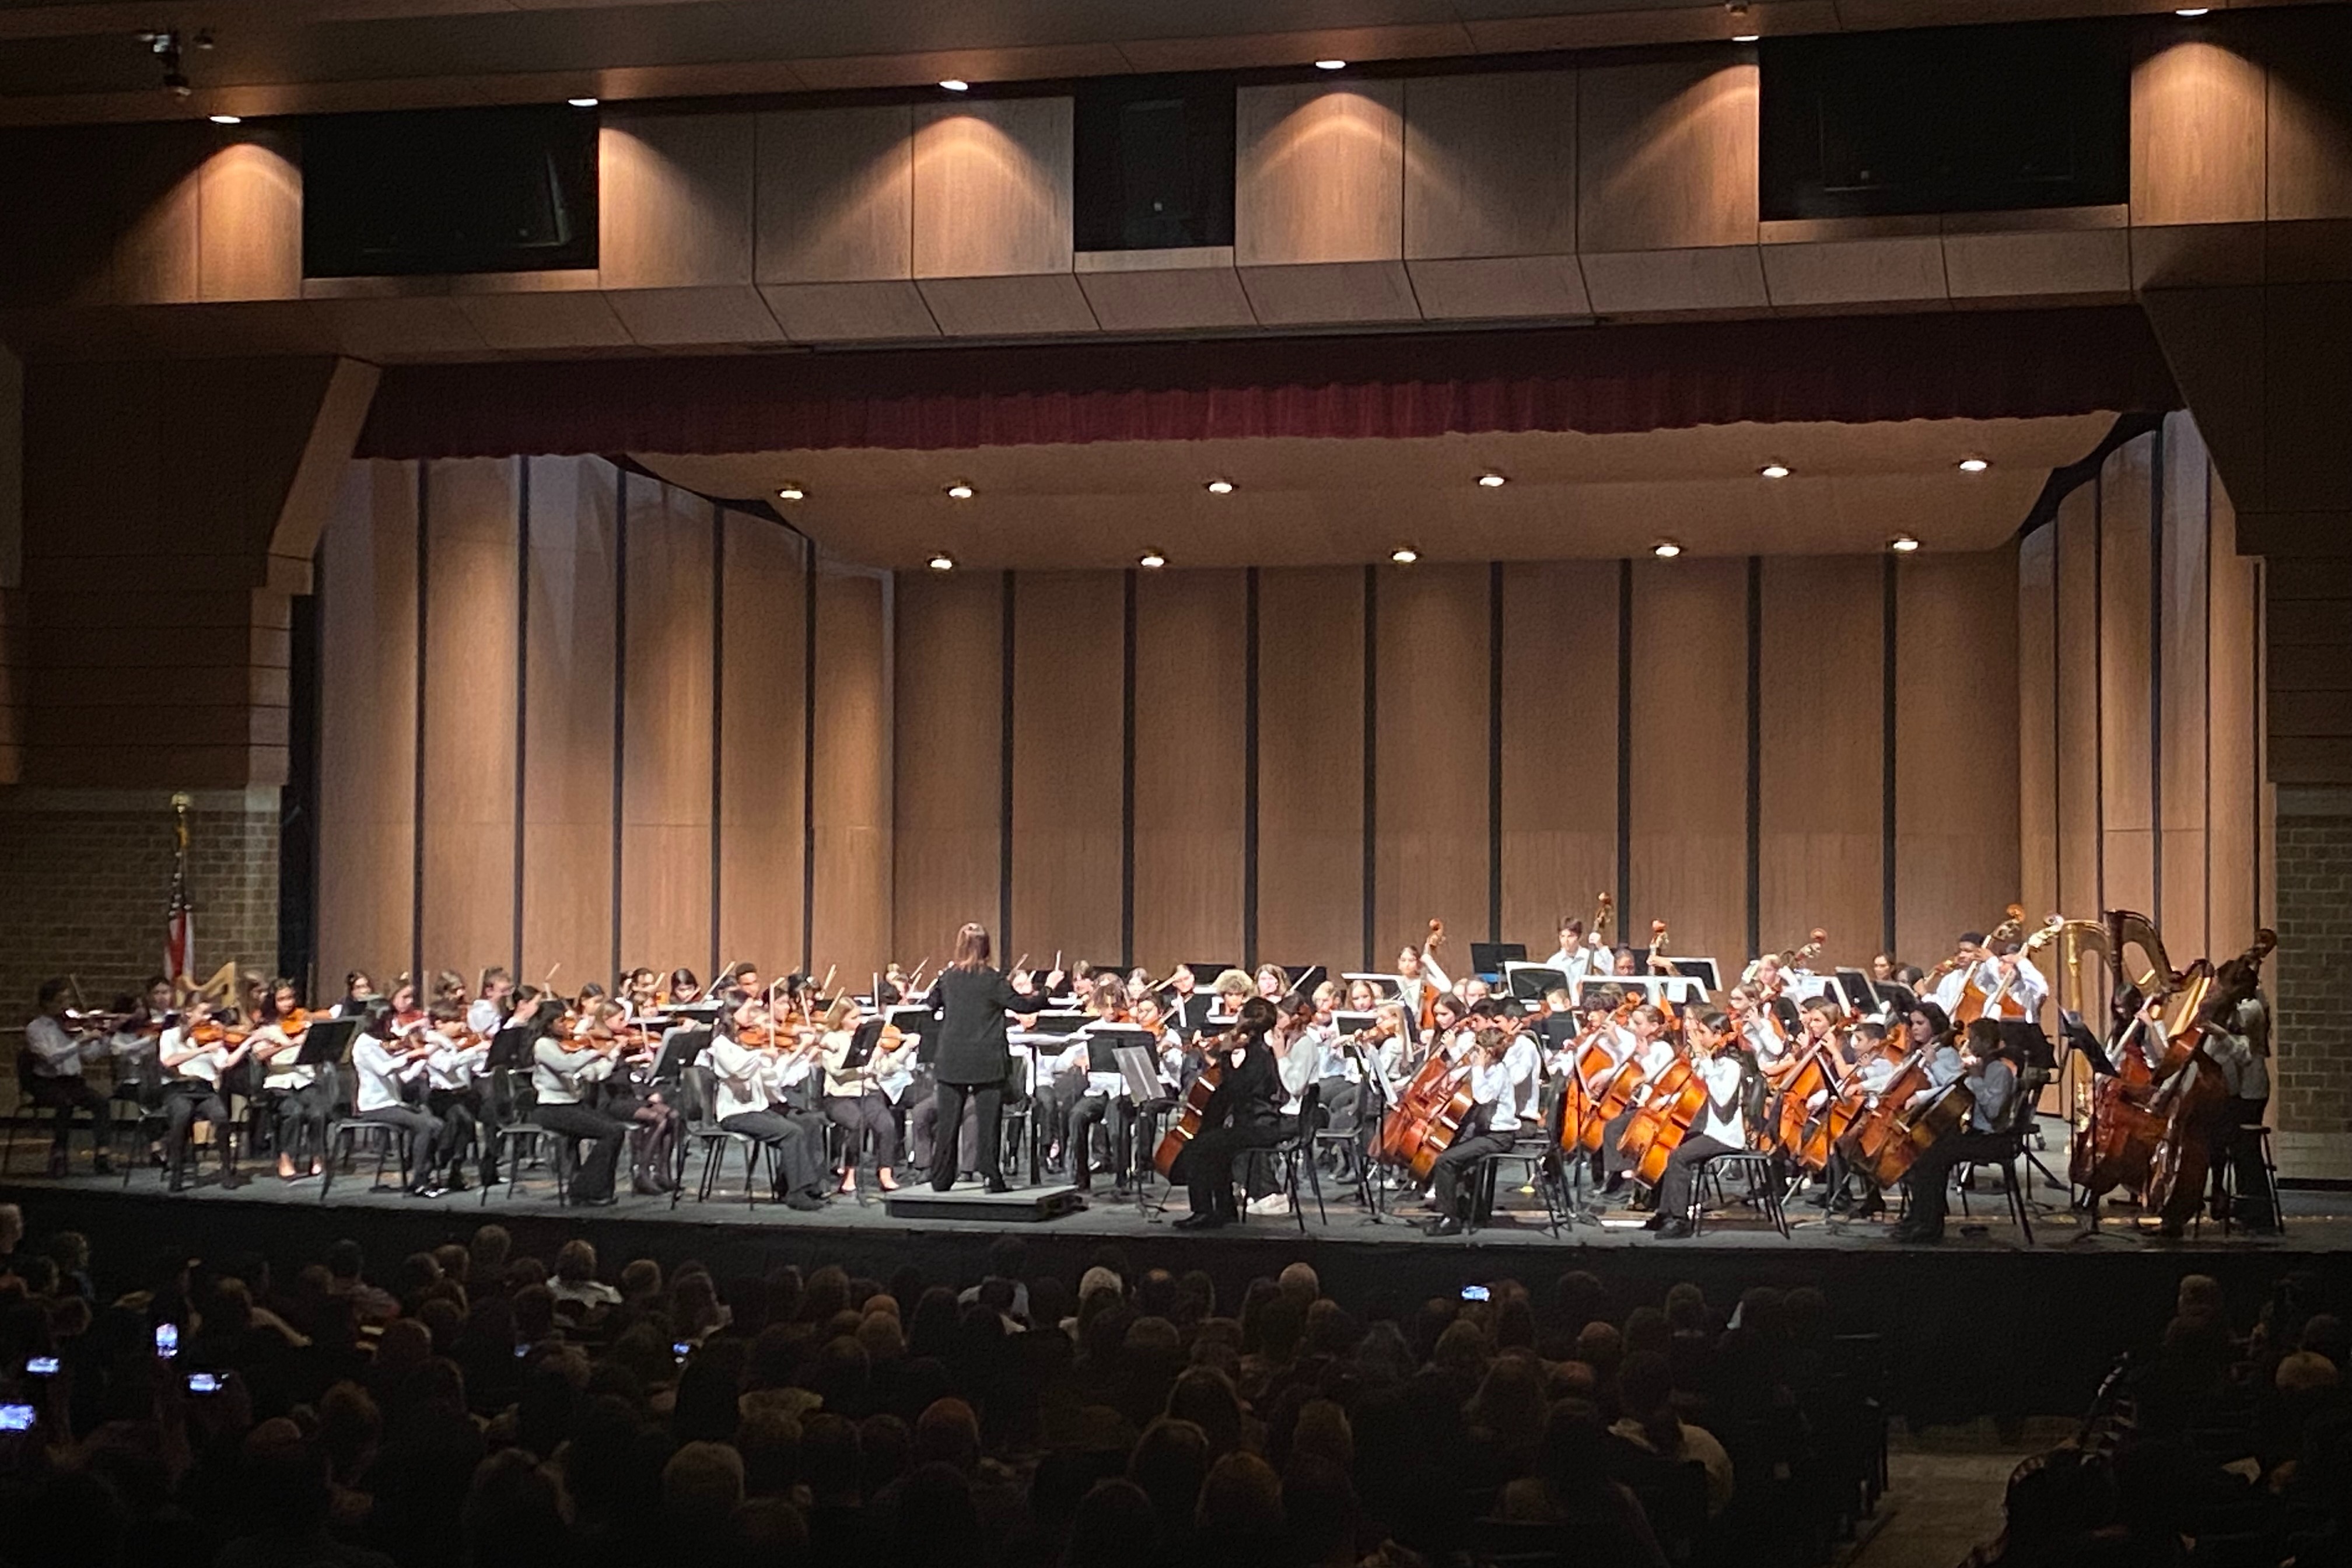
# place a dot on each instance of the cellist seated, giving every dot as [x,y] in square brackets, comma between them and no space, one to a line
[1990,1071]
[1722,1127]
[1498,1068]
[1244,1112]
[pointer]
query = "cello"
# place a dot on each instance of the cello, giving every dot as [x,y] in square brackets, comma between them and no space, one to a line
[1187,1124]
[1677,1101]
[1446,1107]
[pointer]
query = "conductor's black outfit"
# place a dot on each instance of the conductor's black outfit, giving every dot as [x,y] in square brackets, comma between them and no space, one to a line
[1244,1112]
[973,1058]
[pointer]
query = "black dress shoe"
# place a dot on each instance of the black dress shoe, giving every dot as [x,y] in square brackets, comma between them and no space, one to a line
[1200,1222]
[997,1184]
[1675,1230]
[1445,1226]
[1655,1222]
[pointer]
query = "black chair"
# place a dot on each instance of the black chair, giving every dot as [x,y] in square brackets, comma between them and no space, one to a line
[349,1136]
[1288,1154]
[2226,1180]
[1537,1151]
[1347,1145]
[2011,1150]
[715,1143]
[1764,1186]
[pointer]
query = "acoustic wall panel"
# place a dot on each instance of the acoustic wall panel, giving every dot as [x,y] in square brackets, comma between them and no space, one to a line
[1689,821]
[1191,763]
[1310,749]
[762,758]
[850,774]
[1432,857]
[1068,717]
[948,797]
[1559,744]
[666,737]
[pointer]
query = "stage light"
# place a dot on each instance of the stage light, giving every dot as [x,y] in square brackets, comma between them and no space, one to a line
[1903,544]
[1491,481]
[1746,38]
[791,492]
[2192,10]
[1221,487]
[1973,465]
[958,492]
[1404,555]
[1774,470]
[583,102]
[1151,560]
[942,562]
[1666,550]
[226,119]
[1331,65]
[956,84]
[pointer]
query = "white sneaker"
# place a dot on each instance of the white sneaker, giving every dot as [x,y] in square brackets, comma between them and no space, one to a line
[1273,1202]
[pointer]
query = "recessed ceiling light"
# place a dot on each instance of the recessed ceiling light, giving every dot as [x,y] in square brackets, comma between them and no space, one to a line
[1666,550]
[226,119]
[1331,65]
[955,84]
[1973,465]
[1746,38]
[791,492]
[1903,544]
[1491,481]
[942,562]
[1404,555]
[583,102]
[1221,487]
[958,492]
[1774,470]
[2192,10]
[1151,560]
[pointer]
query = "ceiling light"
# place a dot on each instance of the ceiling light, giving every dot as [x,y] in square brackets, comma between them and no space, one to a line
[1331,65]
[1746,38]
[2192,10]
[1774,470]
[1491,481]
[226,119]
[1903,544]
[1973,465]
[583,102]
[1221,487]
[942,562]
[958,492]
[955,84]
[791,492]
[1151,560]
[1666,550]
[1404,555]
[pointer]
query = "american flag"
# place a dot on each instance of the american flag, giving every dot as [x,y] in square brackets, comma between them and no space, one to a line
[179,918]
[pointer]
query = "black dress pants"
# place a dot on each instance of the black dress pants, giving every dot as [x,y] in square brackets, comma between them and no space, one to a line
[990,1099]
[592,1183]
[1207,1165]
[66,1095]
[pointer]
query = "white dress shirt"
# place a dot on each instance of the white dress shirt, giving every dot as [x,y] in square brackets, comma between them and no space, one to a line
[558,1070]
[1722,1122]
[57,1052]
[741,1076]
[381,1072]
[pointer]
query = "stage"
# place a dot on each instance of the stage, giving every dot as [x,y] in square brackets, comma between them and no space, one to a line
[2059,1308]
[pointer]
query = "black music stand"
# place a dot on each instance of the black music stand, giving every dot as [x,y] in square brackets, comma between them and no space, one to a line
[861,1044]
[1488,958]
[1529,981]
[679,1050]
[326,1043]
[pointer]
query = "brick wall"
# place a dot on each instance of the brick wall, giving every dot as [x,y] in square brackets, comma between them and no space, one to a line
[86,877]
[2312,974]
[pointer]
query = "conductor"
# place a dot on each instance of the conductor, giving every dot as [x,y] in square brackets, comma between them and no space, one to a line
[974,1058]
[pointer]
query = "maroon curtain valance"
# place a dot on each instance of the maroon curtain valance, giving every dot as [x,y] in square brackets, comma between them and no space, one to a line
[1598,380]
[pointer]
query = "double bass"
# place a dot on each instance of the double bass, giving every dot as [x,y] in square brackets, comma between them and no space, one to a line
[1972,998]
[2196,1094]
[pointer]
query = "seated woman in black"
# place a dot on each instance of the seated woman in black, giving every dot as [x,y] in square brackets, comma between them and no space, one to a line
[1244,1112]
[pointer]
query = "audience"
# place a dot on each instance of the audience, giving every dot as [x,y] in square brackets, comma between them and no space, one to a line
[475,1407]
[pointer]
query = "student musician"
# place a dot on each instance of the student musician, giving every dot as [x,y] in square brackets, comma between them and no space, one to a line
[1722,1127]
[299,1100]
[50,1074]
[1758,1030]
[1877,1058]
[1244,1112]
[747,1103]
[359,991]
[196,1055]
[1095,1099]
[1990,1071]
[2012,987]
[1968,955]
[2239,1041]
[489,1005]
[1424,980]
[384,1064]
[1654,1052]
[1579,955]
[1485,1067]
[562,1073]
[456,1061]
[853,1101]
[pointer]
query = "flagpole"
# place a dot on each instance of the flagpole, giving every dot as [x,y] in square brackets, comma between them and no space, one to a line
[179,920]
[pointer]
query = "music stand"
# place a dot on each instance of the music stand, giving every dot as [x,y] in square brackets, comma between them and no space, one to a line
[1702,969]
[679,1049]
[327,1042]
[1487,959]
[861,1045]
[1529,981]
[509,1048]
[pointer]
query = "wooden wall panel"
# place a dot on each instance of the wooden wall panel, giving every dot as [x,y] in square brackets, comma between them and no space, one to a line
[1956,805]
[1667,156]
[472,508]
[850,778]
[1690,756]
[676,207]
[2037,719]
[2184,747]
[1559,745]
[666,754]
[1310,773]
[762,774]
[835,194]
[992,187]
[2076,545]
[1318,172]
[367,719]
[249,218]
[2197,129]
[1821,795]
[567,868]
[1431,857]
[2126,714]
[1490,164]
[1069,632]
[2234,795]
[948,801]
[1191,764]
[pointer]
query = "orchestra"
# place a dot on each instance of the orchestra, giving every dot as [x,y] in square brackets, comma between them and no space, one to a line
[1868,1086]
